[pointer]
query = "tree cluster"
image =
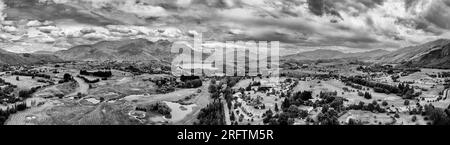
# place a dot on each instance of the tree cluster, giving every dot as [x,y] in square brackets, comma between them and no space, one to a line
[283,118]
[299,98]
[158,107]
[212,114]
[102,74]
[372,107]
[438,116]
[378,87]
[328,117]
[406,91]
[366,95]
[31,74]
[192,83]
[88,80]
[4,114]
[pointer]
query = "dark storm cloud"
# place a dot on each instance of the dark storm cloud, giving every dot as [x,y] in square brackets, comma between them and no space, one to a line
[410,3]
[316,7]
[418,24]
[355,38]
[331,7]
[359,41]
[428,20]
[439,14]
[370,3]
[173,5]
[304,31]
[322,7]
[219,3]
[447,2]
[369,21]
[367,24]
[268,36]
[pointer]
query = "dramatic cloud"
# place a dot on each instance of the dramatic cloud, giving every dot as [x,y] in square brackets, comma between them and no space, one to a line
[344,25]
[439,14]
[363,23]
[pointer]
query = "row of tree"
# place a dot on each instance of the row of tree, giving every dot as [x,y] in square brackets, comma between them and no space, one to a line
[403,90]
[88,80]
[378,87]
[213,114]
[4,114]
[440,75]
[372,107]
[359,87]
[31,74]
[102,74]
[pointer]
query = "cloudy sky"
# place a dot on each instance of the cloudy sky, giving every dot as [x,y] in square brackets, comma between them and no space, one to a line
[300,25]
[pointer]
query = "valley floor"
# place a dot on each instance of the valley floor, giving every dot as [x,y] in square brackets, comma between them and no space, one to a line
[114,100]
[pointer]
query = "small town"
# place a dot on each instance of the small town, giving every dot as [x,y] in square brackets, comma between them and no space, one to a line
[190,62]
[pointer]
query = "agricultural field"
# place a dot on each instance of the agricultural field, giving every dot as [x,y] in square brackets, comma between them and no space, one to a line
[23,82]
[319,95]
[378,108]
[111,100]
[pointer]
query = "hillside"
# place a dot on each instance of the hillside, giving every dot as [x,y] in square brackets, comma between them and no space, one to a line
[315,55]
[10,58]
[334,54]
[122,50]
[433,54]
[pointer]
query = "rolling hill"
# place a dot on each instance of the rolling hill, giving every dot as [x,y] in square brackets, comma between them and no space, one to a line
[121,50]
[10,58]
[434,54]
[334,54]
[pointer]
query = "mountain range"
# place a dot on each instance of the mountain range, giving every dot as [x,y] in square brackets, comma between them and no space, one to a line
[121,50]
[7,57]
[334,54]
[433,54]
